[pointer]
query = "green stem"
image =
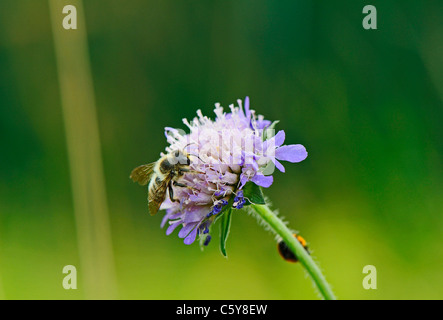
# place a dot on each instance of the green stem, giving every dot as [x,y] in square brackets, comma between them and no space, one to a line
[305,259]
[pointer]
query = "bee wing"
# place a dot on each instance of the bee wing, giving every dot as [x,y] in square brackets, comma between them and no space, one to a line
[157,195]
[142,174]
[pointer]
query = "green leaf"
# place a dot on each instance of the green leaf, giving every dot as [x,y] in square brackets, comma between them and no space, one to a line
[253,194]
[225,226]
[269,169]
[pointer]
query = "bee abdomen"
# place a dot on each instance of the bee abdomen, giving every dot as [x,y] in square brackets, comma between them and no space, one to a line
[156,193]
[155,183]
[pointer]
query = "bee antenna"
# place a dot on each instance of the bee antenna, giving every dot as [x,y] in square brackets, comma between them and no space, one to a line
[197,157]
[188,145]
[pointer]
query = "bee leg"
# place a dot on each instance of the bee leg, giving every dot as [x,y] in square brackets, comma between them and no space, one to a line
[171,193]
[190,171]
[178,184]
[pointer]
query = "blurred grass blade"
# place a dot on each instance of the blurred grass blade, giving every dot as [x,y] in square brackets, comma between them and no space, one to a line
[97,269]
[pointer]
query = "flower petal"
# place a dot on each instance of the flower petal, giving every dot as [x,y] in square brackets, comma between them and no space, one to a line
[280,138]
[291,153]
[262,181]
[262,124]
[191,237]
[164,220]
[274,142]
[247,111]
[243,180]
[278,165]
[172,227]
[186,229]
[195,213]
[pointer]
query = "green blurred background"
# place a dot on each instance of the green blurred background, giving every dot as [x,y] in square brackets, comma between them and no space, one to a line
[367,104]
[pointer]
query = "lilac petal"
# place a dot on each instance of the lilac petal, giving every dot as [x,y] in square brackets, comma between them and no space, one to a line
[279,138]
[165,218]
[175,216]
[275,141]
[262,124]
[191,237]
[172,227]
[253,166]
[258,144]
[262,181]
[195,214]
[243,180]
[186,229]
[278,165]
[200,197]
[248,158]
[248,113]
[291,153]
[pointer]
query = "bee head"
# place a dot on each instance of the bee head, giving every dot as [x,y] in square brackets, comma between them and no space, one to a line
[180,157]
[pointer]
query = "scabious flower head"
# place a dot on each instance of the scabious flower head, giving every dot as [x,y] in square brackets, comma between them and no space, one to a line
[236,148]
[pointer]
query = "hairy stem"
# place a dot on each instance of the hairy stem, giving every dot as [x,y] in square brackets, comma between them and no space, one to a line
[305,259]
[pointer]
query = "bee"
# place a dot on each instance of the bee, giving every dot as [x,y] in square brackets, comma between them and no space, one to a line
[161,176]
[287,253]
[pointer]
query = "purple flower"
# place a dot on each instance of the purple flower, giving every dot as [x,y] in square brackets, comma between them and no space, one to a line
[252,173]
[292,153]
[228,152]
